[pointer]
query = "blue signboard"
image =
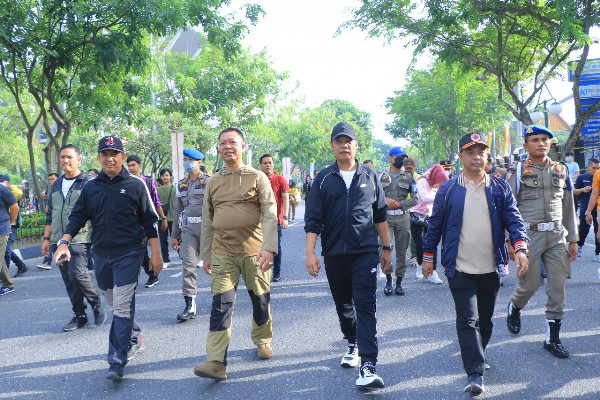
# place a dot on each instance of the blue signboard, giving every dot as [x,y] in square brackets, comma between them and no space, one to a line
[589,89]
[591,69]
[591,127]
[590,140]
[594,115]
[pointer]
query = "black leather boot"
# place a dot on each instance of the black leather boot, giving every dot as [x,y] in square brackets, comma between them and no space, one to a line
[399,291]
[513,319]
[189,311]
[552,342]
[388,289]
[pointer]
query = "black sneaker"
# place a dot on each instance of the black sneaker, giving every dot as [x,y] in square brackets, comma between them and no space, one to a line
[78,321]
[115,373]
[474,384]
[153,280]
[135,345]
[99,315]
[368,378]
[276,277]
[6,290]
[21,271]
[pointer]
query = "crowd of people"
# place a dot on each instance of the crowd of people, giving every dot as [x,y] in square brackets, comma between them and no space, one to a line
[231,223]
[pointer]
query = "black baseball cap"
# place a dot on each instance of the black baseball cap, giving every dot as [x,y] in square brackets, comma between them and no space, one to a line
[343,128]
[110,143]
[471,139]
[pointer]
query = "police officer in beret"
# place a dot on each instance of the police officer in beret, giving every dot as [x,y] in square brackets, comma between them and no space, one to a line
[544,197]
[189,198]
[400,195]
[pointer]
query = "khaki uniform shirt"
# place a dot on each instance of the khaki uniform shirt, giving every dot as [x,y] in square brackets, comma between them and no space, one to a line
[544,195]
[399,187]
[189,199]
[239,215]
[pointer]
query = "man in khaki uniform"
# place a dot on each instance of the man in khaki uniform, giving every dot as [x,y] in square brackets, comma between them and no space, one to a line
[239,237]
[544,197]
[397,185]
[187,229]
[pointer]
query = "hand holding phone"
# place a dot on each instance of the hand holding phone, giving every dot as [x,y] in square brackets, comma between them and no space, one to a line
[61,259]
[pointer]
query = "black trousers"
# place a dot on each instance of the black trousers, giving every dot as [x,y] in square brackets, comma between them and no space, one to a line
[353,284]
[163,236]
[418,233]
[584,229]
[78,282]
[474,299]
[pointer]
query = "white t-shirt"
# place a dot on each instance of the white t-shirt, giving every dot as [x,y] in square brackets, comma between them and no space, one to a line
[347,175]
[66,185]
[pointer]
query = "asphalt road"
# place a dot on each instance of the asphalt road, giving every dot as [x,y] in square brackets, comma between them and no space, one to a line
[419,356]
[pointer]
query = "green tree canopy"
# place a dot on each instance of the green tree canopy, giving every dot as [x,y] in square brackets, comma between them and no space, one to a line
[438,106]
[59,51]
[519,43]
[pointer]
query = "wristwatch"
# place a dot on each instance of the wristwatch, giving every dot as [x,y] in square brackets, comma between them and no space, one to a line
[164,218]
[62,241]
[286,218]
[46,238]
[524,251]
[388,248]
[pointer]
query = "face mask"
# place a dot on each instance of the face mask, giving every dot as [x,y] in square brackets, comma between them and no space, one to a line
[567,159]
[189,166]
[398,162]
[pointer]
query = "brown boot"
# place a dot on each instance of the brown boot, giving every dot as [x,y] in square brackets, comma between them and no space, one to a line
[264,351]
[211,369]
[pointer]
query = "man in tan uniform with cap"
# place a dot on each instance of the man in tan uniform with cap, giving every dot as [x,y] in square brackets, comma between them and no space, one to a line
[544,197]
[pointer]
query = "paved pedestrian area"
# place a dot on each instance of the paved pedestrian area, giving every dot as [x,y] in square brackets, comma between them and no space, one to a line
[419,356]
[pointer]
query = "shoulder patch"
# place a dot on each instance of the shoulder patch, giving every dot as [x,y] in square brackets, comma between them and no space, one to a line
[182,184]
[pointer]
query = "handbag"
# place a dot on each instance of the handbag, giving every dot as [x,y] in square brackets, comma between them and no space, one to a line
[419,219]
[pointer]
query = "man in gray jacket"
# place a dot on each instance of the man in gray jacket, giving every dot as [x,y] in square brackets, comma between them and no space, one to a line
[61,199]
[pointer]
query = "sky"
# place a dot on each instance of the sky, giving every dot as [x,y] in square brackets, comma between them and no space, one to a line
[299,37]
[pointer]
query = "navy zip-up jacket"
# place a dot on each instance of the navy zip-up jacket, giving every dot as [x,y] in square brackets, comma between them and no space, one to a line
[447,217]
[118,209]
[345,218]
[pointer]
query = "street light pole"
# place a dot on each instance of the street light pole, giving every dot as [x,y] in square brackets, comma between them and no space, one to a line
[555,109]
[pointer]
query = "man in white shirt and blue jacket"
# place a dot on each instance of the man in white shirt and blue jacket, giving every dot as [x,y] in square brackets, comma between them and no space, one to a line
[471,213]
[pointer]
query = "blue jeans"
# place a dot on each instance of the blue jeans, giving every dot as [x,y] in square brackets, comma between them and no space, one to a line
[8,252]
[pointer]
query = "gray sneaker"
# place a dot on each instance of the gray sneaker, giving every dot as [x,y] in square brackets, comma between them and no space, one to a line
[78,321]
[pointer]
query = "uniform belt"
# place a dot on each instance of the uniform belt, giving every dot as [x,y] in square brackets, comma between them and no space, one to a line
[194,220]
[395,212]
[543,226]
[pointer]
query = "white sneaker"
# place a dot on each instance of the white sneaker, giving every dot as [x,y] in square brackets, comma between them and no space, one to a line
[167,265]
[597,258]
[44,266]
[368,378]
[579,251]
[434,278]
[419,273]
[413,262]
[351,358]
